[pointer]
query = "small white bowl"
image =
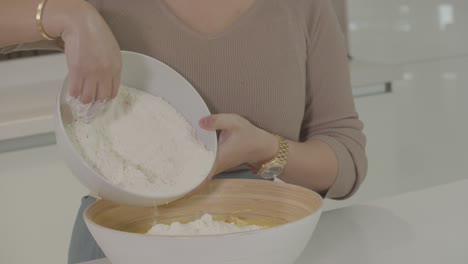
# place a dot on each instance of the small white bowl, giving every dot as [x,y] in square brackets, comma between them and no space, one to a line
[152,76]
[120,230]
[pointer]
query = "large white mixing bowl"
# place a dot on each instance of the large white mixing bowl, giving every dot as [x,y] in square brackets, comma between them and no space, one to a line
[119,230]
[154,77]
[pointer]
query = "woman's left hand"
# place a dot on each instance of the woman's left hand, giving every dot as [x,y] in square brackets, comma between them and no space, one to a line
[239,142]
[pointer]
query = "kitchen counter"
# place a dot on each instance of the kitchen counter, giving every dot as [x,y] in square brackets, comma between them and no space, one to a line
[426,226]
[29,88]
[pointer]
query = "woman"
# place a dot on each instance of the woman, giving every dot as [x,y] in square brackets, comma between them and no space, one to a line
[265,67]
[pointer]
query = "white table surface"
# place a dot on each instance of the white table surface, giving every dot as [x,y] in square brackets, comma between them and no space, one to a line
[427,226]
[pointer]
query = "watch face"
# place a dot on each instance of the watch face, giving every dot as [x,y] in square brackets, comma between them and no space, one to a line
[272,172]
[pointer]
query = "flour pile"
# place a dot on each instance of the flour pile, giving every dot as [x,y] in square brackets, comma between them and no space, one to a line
[203,226]
[143,144]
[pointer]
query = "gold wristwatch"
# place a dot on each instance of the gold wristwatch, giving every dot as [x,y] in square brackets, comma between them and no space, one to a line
[273,168]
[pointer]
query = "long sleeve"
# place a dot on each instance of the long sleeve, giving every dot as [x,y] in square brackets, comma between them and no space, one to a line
[330,112]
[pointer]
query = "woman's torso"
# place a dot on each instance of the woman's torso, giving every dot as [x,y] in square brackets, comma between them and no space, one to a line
[254,68]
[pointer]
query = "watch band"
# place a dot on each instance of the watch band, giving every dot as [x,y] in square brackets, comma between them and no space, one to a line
[280,160]
[283,152]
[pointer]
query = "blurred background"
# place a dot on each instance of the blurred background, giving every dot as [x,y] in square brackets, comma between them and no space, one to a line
[409,66]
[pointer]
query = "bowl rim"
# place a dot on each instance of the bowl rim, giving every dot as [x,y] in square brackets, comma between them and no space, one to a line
[101,177]
[316,213]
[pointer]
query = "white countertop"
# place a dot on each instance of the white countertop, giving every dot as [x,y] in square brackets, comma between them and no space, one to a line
[427,226]
[29,86]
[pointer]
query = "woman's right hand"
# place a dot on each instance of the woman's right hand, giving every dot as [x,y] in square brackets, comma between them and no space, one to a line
[93,59]
[92,53]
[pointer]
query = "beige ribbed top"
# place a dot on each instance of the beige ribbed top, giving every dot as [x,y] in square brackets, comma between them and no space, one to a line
[282,65]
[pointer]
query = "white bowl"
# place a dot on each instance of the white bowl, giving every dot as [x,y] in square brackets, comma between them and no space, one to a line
[119,230]
[154,77]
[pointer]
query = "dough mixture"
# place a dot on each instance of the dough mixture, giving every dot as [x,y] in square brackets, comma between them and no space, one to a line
[206,225]
[143,144]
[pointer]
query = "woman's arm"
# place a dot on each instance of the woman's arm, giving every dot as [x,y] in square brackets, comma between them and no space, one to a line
[18,24]
[92,53]
[330,158]
[325,164]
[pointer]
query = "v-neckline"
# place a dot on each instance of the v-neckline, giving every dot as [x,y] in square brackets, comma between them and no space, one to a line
[231,27]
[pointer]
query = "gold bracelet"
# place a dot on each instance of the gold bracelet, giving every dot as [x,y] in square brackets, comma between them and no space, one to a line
[40,28]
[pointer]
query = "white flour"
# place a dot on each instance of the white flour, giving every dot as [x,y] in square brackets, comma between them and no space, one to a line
[203,226]
[143,144]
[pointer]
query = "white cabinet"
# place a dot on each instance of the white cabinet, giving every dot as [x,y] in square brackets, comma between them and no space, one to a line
[39,199]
